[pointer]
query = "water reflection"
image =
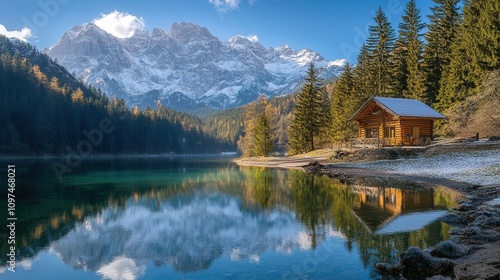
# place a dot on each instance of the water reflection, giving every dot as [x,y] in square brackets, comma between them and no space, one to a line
[118,221]
[189,233]
[388,210]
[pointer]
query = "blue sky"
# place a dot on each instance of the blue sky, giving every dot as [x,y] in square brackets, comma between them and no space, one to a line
[335,29]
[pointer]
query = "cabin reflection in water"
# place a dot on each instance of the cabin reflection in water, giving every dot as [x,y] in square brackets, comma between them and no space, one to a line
[390,210]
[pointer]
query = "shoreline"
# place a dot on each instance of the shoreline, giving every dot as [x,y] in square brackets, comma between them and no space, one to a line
[476,220]
[476,235]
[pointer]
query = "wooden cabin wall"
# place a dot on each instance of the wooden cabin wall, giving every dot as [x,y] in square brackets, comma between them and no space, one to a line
[424,125]
[378,121]
[403,127]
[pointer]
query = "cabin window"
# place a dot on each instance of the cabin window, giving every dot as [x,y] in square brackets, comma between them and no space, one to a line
[390,132]
[371,132]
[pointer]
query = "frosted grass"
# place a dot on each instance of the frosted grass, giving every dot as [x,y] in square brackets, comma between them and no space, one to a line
[474,167]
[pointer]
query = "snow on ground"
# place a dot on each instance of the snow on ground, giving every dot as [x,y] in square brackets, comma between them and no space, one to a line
[474,167]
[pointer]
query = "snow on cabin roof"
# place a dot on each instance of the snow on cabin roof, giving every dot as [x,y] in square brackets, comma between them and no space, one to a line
[408,107]
[404,108]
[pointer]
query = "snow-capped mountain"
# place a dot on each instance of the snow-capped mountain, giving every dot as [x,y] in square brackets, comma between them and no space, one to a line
[184,67]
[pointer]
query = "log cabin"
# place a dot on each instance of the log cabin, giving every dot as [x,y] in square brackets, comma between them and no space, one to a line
[384,121]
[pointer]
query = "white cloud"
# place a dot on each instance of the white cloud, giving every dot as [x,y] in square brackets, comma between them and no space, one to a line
[120,25]
[22,35]
[253,38]
[225,5]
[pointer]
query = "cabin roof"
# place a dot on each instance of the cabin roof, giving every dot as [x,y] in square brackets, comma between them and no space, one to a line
[401,107]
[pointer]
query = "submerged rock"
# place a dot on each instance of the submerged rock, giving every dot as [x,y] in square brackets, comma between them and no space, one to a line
[421,264]
[417,264]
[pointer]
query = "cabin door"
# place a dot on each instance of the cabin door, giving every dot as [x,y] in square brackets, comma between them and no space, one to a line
[416,132]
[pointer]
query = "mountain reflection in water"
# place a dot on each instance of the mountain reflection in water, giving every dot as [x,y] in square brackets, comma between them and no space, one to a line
[126,220]
[189,233]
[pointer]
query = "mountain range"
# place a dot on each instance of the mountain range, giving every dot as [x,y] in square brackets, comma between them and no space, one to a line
[186,68]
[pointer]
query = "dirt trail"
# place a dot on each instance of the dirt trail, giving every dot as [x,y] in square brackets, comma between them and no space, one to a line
[296,162]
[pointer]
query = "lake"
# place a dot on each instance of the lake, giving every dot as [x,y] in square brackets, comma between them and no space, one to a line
[207,218]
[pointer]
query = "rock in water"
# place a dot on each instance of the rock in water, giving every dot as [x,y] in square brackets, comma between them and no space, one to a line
[417,264]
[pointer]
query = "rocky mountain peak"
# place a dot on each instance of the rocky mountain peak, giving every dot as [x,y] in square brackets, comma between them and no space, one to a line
[185,32]
[242,40]
[187,60]
[158,33]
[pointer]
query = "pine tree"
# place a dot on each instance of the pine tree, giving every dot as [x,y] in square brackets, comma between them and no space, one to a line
[441,33]
[309,118]
[380,44]
[410,32]
[264,140]
[487,45]
[45,127]
[363,76]
[343,106]
[475,52]
[400,66]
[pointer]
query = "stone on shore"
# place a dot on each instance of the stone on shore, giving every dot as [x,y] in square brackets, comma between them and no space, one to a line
[313,167]
[453,219]
[448,249]
[438,277]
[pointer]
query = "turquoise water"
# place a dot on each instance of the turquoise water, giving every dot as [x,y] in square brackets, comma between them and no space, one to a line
[206,218]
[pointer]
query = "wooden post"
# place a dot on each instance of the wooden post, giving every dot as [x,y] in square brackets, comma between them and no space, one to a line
[401,123]
[432,130]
